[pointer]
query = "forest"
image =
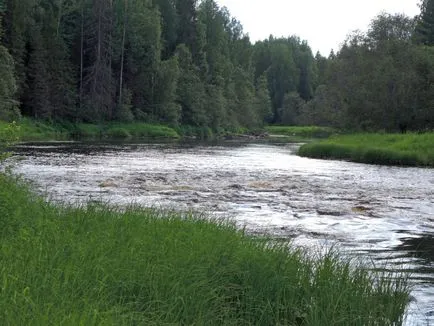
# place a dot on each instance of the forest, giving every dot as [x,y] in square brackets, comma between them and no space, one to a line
[189,62]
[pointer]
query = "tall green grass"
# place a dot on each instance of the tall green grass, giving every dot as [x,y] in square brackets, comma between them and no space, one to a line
[34,130]
[386,149]
[98,265]
[301,131]
[133,130]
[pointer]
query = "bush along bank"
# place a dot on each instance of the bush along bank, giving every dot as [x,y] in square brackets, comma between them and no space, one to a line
[382,149]
[301,131]
[100,265]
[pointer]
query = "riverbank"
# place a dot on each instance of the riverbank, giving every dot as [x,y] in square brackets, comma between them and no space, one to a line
[383,149]
[38,130]
[34,130]
[301,132]
[99,265]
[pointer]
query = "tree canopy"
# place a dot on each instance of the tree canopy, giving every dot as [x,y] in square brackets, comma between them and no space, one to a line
[189,62]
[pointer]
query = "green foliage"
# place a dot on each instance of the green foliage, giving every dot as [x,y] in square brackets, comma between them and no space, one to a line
[425,24]
[327,108]
[194,132]
[189,62]
[292,108]
[97,265]
[290,68]
[170,21]
[190,92]
[34,130]
[86,131]
[301,131]
[165,92]
[263,100]
[117,133]
[385,149]
[9,134]
[8,87]
[378,81]
[124,131]
[139,131]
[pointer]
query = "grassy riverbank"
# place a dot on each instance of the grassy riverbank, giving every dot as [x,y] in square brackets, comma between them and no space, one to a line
[301,131]
[97,265]
[384,149]
[38,130]
[34,130]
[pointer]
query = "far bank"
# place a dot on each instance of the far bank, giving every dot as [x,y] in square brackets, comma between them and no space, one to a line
[382,149]
[41,130]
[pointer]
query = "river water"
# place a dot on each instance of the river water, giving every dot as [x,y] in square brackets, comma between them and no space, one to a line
[383,214]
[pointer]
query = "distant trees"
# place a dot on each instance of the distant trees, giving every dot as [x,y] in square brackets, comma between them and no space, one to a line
[8,85]
[425,25]
[379,80]
[290,67]
[189,62]
[171,61]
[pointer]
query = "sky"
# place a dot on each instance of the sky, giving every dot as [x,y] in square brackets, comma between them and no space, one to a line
[323,23]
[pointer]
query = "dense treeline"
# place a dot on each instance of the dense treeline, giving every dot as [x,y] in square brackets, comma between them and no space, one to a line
[189,62]
[380,80]
[170,61]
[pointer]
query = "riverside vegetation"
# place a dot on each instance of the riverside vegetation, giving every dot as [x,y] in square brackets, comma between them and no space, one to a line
[304,132]
[189,63]
[93,66]
[98,265]
[33,130]
[39,130]
[386,149]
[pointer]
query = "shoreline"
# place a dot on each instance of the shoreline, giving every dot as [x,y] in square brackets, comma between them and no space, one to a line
[406,150]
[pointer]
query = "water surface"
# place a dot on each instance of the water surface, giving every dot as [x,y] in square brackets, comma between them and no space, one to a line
[384,214]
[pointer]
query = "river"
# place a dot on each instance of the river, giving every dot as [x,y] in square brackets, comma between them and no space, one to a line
[383,214]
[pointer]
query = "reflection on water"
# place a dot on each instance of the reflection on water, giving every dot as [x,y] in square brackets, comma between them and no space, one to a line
[421,246]
[383,213]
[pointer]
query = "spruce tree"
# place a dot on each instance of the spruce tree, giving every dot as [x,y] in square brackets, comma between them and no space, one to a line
[7,80]
[425,26]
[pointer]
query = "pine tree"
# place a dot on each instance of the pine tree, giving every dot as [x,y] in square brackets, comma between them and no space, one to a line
[263,100]
[15,21]
[98,81]
[143,58]
[170,22]
[168,110]
[425,26]
[187,28]
[191,91]
[37,93]
[7,81]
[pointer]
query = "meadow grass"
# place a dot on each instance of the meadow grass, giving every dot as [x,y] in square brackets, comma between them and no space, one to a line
[386,149]
[301,131]
[126,131]
[35,130]
[98,265]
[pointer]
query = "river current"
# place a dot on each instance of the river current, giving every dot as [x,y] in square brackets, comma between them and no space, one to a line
[383,214]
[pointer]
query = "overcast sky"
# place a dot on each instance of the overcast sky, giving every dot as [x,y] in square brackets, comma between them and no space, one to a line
[323,23]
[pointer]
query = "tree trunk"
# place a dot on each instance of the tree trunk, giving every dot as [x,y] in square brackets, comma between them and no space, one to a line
[59,18]
[81,57]
[122,54]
